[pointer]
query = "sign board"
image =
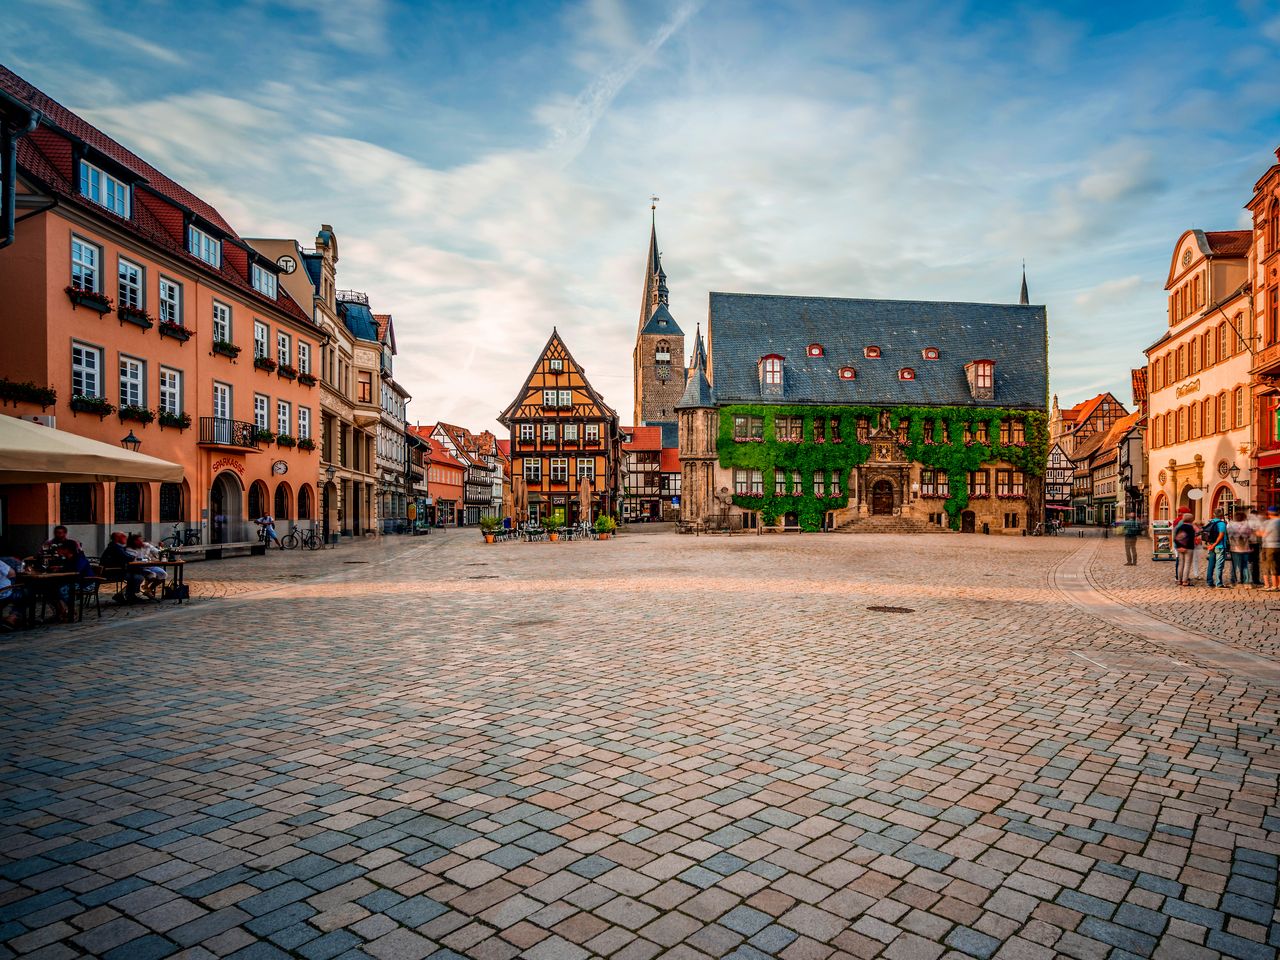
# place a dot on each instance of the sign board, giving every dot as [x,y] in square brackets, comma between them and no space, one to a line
[1162,540]
[675,501]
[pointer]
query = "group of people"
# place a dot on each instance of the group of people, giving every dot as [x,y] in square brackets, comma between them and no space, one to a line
[1247,544]
[61,554]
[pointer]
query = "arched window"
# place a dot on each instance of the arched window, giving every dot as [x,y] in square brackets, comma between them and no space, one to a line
[257,499]
[1273,227]
[815,350]
[282,501]
[848,373]
[663,352]
[771,371]
[1162,507]
[171,503]
[1224,412]
[930,353]
[304,502]
[871,353]
[906,373]
[128,503]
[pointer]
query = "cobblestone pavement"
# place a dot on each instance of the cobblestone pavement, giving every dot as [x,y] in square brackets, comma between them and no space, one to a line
[656,745]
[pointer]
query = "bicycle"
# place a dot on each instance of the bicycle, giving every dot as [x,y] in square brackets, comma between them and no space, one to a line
[307,539]
[179,538]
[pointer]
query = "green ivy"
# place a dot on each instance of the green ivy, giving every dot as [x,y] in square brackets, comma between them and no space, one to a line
[955,457]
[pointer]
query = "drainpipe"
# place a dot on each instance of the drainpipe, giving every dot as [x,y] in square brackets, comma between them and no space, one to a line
[17,121]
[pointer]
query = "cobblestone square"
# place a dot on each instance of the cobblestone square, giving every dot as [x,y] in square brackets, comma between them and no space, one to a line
[789,746]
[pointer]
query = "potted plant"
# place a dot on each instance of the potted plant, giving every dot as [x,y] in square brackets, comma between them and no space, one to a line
[552,525]
[169,328]
[179,420]
[605,525]
[263,435]
[264,363]
[131,411]
[489,527]
[89,298]
[226,348]
[135,315]
[26,392]
[99,405]
[284,440]
[306,443]
[307,379]
[288,371]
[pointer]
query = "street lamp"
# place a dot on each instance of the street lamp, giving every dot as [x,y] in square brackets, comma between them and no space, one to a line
[329,473]
[1234,473]
[131,442]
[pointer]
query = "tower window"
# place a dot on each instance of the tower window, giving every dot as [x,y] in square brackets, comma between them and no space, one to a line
[871,353]
[663,353]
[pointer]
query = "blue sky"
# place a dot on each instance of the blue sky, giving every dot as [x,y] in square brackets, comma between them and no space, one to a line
[487,165]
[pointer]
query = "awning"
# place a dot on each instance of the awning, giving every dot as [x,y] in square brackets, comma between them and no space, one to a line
[31,453]
[1054,506]
[1269,461]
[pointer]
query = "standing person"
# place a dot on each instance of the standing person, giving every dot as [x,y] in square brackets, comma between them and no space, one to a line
[1240,540]
[1256,523]
[1184,541]
[1271,550]
[1214,538]
[1132,530]
[268,524]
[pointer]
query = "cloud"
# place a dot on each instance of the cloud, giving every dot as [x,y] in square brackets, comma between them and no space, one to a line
[1108,292]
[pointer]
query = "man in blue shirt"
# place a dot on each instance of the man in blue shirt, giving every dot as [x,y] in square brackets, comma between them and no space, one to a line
[1214,538]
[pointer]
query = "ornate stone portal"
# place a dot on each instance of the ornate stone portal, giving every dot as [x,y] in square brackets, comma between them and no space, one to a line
[882,482]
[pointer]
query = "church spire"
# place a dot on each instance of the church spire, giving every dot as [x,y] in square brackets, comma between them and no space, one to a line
[697,389]
[1023,298]
[655,278]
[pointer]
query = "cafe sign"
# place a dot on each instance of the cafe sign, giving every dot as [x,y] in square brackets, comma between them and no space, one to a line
[1191,386]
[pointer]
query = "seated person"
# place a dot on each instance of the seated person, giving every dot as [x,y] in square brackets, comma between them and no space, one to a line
[69,559]
[11,595]
[117,558]
[58,539]
[153,577]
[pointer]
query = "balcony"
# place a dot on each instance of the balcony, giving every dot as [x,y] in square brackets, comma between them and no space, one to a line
[221,432]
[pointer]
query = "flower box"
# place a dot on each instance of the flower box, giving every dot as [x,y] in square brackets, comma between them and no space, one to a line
[1011,496]
[263,436]
[27,392]
[135,315]
[284,440]
[287,371]
[99,405]
[179,420]
[140,414]
[226,348]
[264,363]
[176,330]
[307,379]
[89,298]
[306,443]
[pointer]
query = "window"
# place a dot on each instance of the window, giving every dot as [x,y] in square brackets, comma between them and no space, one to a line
[1242,417]
[930,353]
[549,398]
[549,432]
[1224,412]
[591,433]
[86,370]
[132,391]
[848,373]
[819,430]
[264,281]
[261,411]
[978,483]
[1011,521]
[789,429]
[283,417]
[748,428]
[128,502]
[205,246]
[835,430]
[662,354]
[75,503]
[260,340]
[1195,354]
[1182,361]
[587,469]
[835,483]
[130,284]
[170,302]
[304,422]
[170,503]
[284,349]
[1009,483]
[533,470]
[748,483]
[863,429]
[1206,351]
[928,482]
[819,483]
[815,350]
[559,470]
[104,189]
[780,483]
[1019,482]
[772,371]
[171,391]
[983,375]
[526,432]
[566,398]
[85,258]
[364,386]
[571,431]
[871,353]
[556,365]
[304,357]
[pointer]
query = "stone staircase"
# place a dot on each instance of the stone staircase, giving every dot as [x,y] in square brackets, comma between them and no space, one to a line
[887,525]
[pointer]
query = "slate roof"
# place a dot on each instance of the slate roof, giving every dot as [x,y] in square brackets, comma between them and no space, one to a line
[662,323]
[359,320]
[697,389]
[670,433]
[745,327]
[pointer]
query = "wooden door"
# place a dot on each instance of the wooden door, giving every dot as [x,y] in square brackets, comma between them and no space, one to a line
[882,498]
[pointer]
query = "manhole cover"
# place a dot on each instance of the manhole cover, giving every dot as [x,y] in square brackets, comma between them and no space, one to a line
[891,609]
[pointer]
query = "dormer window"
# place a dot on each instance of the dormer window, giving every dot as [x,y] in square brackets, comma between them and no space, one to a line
[264,281]
[982,379]
[771,375]
[205,246]
[871,353]
[930,353]
[848,373]
[103,189]
[906,373]
[815,350]
[557,366]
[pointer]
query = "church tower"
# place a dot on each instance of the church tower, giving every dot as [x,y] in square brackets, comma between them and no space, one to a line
[658,358]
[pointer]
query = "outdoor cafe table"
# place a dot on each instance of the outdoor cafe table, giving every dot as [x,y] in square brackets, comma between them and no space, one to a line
[44,586]
[177,565]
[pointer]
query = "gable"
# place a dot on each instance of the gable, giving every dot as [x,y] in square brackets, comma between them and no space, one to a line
[556,369]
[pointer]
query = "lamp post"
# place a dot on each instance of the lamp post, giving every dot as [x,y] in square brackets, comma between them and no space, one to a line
[131,442]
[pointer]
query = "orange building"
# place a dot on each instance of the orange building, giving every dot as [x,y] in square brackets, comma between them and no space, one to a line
[145,313]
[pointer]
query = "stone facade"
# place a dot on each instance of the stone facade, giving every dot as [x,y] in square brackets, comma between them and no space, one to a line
[658,356]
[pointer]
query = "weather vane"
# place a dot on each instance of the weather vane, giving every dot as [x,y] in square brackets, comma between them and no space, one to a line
[653,203]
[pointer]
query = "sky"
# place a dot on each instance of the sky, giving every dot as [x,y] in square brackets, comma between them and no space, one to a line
[487,167]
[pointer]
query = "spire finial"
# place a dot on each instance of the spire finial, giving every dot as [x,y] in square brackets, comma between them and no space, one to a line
[1023,297]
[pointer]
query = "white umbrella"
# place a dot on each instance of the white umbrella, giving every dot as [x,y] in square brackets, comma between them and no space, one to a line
[31,453]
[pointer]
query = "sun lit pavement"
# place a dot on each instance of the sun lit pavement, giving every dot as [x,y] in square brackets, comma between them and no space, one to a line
[655,745]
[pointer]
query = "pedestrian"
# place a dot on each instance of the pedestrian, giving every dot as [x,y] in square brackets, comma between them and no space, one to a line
[1132,530]
[268,524]
[1197,550]
[1271,550]
[1214,538]
[1256,523]
[1239,539]
[1184,541]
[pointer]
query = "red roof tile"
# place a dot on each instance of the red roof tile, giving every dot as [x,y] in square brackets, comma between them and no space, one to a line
[1229,243]
[670,460]
[643,438]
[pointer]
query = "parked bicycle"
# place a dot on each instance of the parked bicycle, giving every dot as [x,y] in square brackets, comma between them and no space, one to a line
[180,538]
[306,539]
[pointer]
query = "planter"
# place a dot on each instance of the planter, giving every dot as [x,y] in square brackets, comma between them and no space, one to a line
[284,440]
[307,379]
[306,443]
[287,372]
[139,318]
[488,538]
[553,537]
[27,392]
[264,363]
[139,414]
[263,436]
[175,330]
[179,421]
[226,349]
[88,298]
[604,536]
[92,405]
